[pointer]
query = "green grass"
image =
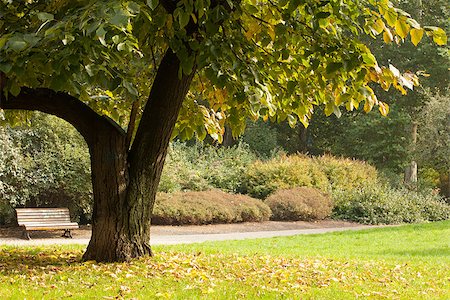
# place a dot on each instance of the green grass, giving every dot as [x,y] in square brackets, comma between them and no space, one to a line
[407,262]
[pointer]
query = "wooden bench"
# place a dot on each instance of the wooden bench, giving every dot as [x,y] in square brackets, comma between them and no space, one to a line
[45,219]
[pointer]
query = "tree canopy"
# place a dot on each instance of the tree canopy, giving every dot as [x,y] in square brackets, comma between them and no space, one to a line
[270,59]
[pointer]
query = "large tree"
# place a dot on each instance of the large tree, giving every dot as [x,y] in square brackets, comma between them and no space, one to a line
[108,65]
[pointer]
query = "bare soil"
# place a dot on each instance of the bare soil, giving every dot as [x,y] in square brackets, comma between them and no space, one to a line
[85,230]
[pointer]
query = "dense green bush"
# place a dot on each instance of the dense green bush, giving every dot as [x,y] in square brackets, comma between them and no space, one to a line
[324,173]
[262,139]
[207,207]
[383,205]
[299,204]
[44,165]
[202,167]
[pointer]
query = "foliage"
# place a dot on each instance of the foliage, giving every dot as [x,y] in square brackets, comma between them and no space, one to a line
[363,136]
[428,178]
[299,204]
[274,58]
[262,139]
[433,144]
[323,173]
[207,207]
[45,165]
[408,261]
[202,167]
[383,205]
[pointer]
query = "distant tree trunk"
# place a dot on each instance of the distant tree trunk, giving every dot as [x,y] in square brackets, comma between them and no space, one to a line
[303,137]
[410,178]
[228,139]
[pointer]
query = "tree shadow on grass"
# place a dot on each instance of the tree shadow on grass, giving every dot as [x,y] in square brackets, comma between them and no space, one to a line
[14,260]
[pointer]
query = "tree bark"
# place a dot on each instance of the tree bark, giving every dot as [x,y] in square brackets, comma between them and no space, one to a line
[122,217]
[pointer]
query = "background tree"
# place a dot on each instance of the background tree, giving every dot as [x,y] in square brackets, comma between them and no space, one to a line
[384,141]
[101,66]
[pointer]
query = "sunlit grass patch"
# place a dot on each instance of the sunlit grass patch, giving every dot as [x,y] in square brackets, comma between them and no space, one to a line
[241,270]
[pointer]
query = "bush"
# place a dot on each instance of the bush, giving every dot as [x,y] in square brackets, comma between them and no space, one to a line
[384,205]
[207,207]
[323,173]
[299,204]
[347,174]
[44,165]
[261,139]
[204,167]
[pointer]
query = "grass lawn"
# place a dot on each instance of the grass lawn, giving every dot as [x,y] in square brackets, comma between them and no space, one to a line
[406,262]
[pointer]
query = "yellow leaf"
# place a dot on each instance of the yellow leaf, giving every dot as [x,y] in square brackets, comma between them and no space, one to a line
[416,36]
[402,28]
[439,37]
[271,32]
[368,106]
[387,36]
[391,17]
[252,29]
[378,26]
[329,109]
[384,108]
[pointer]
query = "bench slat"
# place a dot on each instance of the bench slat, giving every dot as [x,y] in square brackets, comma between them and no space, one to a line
[45,218]
[30,225]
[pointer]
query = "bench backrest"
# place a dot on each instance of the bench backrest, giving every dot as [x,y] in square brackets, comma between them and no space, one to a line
[42,215]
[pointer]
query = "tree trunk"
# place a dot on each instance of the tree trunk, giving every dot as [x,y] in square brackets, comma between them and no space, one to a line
[124,185]
[109,181]
[410,175]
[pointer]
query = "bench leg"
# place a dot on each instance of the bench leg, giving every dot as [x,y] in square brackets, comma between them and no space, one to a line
[67,233]
[26,235]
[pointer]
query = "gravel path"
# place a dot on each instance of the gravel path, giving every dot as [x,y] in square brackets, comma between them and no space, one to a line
[169,235]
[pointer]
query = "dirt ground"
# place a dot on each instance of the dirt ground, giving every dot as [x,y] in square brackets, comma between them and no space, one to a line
[85,231]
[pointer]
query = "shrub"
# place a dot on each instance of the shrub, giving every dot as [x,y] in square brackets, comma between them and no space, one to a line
[383,205]
[347,174]
[207,207]
[203,167]
[302,203]
[261,139]
[46,165]
[324,173]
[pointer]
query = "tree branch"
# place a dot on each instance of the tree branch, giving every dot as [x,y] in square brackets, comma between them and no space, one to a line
[62,105]
[131,124]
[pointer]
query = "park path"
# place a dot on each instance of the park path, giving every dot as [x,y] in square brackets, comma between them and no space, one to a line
[170,235]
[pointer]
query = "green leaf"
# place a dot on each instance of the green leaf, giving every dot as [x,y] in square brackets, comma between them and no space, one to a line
[184,18]
[5,67]
[130,88]
[101,32]
[43,16]
[322,15]
[152,3]
[134,8]
[369,59]
[17,44]
[333,67]
[329,109]
[120,19]
[3,41]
